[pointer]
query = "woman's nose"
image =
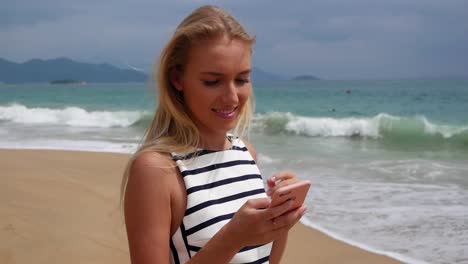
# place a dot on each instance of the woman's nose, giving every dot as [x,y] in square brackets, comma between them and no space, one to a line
[230,94]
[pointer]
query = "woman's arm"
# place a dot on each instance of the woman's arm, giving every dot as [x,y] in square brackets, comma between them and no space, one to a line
[277,251]
[251,225]
[148,209]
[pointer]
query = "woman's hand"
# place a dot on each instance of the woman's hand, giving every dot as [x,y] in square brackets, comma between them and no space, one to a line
[256,223]
[280,179]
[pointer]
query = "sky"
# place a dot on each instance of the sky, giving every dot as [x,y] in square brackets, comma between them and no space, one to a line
[331,39]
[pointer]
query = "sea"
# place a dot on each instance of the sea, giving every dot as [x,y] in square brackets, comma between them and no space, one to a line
[388,159]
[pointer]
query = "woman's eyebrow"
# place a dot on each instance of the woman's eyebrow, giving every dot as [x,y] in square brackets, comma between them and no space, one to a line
[221,74]
[213,73]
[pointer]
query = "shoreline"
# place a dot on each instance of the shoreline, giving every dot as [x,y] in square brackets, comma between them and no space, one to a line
[393,255]
[53,182]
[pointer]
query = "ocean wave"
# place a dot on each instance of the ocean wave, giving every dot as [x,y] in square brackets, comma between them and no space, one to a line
[69,116]
[381,126]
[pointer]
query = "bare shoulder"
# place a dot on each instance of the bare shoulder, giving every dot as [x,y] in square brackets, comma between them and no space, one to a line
[151,176]
[147,207]
[153,169]
[251,149]
[152,161]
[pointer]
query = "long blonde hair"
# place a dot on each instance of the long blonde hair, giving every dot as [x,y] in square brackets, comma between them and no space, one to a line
[172,129]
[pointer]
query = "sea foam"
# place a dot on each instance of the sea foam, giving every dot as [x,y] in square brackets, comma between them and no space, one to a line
[68,116]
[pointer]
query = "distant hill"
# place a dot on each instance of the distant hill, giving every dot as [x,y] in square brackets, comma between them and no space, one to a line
[305,78]
[37,70]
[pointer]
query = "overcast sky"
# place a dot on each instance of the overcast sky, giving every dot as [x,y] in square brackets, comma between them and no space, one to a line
[332,39]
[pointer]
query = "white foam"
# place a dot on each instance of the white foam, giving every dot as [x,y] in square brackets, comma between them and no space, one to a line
[333,127]
[445,130]
[264,159]
[69,116]
[418,171]
[78,145]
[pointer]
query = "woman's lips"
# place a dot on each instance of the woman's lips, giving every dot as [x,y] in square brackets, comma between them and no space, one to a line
[225,113]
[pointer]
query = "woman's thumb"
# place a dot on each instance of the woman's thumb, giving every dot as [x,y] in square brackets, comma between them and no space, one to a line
[259,203]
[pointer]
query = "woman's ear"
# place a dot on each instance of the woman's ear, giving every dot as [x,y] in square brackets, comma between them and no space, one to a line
[175,77]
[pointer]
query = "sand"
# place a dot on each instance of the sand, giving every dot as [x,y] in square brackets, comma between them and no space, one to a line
[62,207]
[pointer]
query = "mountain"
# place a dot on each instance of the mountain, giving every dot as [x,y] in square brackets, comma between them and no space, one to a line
[37,70]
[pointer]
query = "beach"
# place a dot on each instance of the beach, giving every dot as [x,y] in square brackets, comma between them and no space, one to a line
[62,207]
[388,166]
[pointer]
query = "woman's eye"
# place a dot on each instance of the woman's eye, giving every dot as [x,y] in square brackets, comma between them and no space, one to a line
[211,83]
[242,81]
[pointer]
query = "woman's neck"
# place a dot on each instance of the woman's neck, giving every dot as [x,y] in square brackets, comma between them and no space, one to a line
[214,141]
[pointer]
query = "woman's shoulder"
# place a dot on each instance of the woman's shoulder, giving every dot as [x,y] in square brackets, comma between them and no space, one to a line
[153,167]
[152,159]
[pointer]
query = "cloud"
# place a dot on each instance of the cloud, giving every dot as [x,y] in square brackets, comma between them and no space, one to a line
[332,39]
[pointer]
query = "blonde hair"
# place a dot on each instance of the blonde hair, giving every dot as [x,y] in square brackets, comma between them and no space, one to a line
[172,129]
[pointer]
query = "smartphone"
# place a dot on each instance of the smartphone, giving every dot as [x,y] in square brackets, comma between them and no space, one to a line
[296,192]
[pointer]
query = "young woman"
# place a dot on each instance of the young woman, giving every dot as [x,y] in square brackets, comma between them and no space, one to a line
[192,193]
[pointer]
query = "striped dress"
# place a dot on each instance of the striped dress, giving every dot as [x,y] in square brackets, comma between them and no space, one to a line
[218,183]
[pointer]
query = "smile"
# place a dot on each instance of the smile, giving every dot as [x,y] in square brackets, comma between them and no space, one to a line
[226,113]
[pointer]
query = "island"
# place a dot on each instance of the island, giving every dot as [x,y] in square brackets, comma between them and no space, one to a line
[305,78]
[67,81]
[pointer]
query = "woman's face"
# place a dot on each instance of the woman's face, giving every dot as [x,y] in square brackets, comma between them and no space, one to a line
[216,83]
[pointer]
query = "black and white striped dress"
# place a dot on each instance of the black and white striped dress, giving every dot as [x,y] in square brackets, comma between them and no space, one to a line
[218,183]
